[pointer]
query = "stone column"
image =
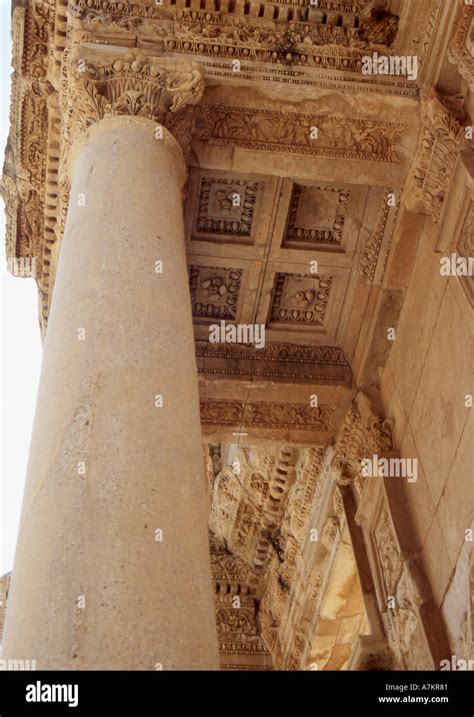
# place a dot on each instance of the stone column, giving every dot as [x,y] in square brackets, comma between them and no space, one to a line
[112,566]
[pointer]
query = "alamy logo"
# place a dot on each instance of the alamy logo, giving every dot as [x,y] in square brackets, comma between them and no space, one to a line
[376,467]
[404,65]
[455,265]
[17,665]
[39,692]
[22,266]
[237,334]
[456,664]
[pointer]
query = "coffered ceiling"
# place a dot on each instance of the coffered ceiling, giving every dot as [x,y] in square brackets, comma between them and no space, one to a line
[284,253]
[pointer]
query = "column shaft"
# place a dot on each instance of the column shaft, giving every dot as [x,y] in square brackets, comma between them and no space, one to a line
[112,565]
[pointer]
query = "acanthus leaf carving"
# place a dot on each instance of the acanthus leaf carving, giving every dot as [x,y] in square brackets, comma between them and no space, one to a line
[100,83]
[362,433]
[441,140]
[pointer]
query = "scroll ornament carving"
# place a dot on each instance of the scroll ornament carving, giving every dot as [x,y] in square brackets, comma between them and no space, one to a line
[33,23]
[236,624]
[25,169]
[276,131]
[362,433]
[405,581]
[264,414]
[226,567]
[460,51]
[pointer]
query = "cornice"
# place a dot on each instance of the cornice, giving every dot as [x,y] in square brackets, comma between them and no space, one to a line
[305,36]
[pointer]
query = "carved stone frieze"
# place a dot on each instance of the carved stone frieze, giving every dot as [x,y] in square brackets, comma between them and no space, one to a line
[266,415]
[304,35]
[248,501]
[236,610]
[275,361]
[25,167]
[306,491]
[299,572]
[11,197]
[404,588]
[25,183]
[277,131]
[33,23]
[237,631]
[461,50]
[287,42]
[229,572]
[236,606]
[374,257]
[291,353]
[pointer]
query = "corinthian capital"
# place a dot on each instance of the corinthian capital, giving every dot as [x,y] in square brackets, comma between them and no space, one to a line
[362,433]
[98,83]
[442,138]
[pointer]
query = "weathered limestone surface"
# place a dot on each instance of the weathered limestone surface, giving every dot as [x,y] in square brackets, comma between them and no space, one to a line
[119,335]
[318,202]
[425,385]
